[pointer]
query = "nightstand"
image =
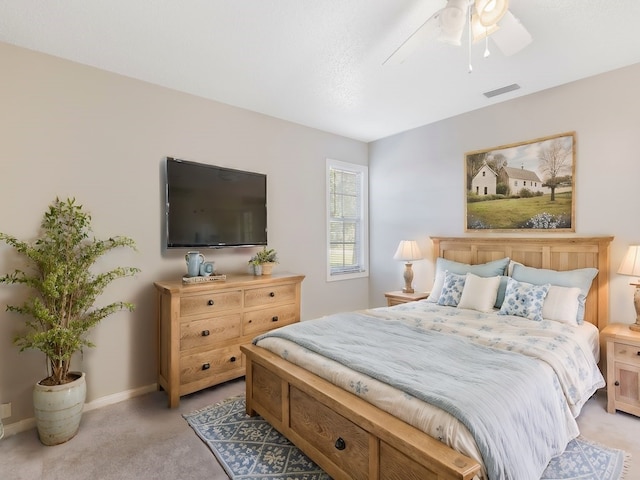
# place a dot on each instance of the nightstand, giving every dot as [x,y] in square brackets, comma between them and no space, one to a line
[623,368]
[396,298]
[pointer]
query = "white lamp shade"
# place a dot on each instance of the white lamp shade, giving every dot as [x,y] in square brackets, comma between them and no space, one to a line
[480,31]
[408,251]
[490,12]
[452,20]
[631,263]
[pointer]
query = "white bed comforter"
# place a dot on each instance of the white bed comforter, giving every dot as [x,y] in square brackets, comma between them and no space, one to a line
[562,351]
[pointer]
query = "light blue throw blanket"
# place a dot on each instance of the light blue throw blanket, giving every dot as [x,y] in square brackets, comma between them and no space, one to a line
[514,409]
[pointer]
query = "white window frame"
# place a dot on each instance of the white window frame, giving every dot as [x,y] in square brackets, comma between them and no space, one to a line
[362,263]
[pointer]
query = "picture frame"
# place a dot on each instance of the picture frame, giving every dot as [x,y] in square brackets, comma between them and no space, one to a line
[522,187]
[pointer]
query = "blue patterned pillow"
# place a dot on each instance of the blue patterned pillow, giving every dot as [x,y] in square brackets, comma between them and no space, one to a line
[451,289]
[524,300]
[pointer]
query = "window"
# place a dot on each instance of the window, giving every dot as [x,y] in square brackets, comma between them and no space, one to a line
[484,173]
[347,220]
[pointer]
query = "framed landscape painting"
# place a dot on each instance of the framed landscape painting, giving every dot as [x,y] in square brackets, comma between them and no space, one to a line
[522,187]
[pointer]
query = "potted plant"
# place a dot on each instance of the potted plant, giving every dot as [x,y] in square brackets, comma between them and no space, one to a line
[263,261]
[61,310]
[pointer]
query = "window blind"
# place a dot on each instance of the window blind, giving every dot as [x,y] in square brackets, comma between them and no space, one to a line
[346,228]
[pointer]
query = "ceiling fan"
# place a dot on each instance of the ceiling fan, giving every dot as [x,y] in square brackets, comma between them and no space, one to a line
[484,17]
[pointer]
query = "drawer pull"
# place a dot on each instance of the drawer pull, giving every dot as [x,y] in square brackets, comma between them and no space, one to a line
[272,294]
[205,333]
[232,359]
[206,366]
[340,445]
[274,319]
[617,383]
[210,302]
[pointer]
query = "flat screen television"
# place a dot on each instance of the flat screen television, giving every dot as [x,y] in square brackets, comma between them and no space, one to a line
[212,207]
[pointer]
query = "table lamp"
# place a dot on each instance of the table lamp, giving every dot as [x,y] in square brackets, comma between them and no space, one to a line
[631,266]
[408,251]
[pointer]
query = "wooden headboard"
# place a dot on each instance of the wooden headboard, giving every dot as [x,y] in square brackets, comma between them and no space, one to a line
[548,252]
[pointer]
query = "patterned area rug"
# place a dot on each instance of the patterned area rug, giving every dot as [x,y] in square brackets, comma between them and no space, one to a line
[248,448]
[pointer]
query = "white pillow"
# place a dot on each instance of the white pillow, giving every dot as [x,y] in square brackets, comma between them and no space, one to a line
[479,293]
[561,304]
[489,269]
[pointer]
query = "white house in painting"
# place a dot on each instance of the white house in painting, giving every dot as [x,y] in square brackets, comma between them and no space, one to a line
[484,182]
[519,178]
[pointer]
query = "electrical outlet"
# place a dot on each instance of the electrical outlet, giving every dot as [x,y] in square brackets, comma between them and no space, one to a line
[5,410]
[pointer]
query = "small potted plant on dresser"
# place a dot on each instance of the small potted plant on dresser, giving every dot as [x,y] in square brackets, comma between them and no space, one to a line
[61,310]
[263,261]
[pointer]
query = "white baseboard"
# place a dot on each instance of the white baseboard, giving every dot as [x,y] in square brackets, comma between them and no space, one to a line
[21,426]
[119,397]
[29,423]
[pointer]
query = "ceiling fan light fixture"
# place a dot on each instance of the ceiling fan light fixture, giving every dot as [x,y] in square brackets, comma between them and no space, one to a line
[452,19]
[490,12]
[479,31]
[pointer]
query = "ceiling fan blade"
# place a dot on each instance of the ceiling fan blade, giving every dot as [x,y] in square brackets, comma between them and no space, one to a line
[511,37]
[419,38]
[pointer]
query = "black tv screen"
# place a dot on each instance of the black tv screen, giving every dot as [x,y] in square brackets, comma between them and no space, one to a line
[210,207]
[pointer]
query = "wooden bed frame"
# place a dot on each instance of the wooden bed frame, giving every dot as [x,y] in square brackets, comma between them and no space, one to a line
[350,438]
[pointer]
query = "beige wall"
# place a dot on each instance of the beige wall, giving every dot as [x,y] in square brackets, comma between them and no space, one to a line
[72,130]
[417,177]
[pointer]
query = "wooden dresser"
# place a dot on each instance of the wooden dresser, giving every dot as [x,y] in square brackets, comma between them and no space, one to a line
[201,326]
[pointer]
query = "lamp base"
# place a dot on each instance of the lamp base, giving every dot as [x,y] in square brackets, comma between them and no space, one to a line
[636,303]
[408,278]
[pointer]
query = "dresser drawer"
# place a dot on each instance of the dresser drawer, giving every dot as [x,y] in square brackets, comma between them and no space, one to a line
[210,303]
[626,353]
[258,297]
[209,331]
[337,438]
[201,365]
[259,321]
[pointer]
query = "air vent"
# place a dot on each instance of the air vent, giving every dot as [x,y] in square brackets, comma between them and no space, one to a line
[500,91]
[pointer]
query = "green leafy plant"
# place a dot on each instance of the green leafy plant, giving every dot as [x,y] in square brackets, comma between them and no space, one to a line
[264,256]
[62,311]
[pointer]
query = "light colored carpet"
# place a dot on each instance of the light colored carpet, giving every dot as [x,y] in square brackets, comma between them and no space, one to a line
[143,439]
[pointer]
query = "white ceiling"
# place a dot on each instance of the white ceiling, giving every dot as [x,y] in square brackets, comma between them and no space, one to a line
[319,62]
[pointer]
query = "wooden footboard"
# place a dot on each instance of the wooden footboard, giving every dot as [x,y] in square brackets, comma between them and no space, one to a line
[348,437]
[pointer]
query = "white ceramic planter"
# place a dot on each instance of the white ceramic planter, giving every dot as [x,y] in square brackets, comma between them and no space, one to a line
[58,410]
